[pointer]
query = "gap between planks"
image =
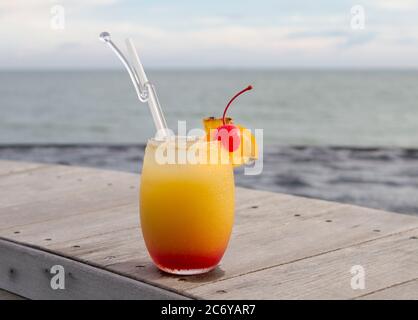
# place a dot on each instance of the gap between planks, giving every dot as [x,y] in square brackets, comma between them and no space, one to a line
[391,288]
[387,262]
[318,255]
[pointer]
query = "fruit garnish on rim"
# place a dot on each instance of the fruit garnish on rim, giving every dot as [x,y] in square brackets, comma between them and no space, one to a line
[237,139]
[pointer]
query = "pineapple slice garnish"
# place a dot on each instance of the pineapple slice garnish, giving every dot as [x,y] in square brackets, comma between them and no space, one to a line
[248,149]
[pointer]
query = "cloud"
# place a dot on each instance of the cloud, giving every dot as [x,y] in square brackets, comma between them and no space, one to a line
[203,39]
[359,38]
[17,6]
[397,5]
[317,34]
[211,20]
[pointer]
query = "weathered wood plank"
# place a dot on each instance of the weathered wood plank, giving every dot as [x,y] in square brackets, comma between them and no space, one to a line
[386,261]
[13,167]
[5,295]
[96,220]
[43,194]
[404,291]
[111,239]
[289,246]
[26,271]
[66,230]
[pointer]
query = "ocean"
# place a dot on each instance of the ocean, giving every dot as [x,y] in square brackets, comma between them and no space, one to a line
[324,108]
[348,136]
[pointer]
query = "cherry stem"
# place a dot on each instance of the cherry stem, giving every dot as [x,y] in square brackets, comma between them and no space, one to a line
[233,98]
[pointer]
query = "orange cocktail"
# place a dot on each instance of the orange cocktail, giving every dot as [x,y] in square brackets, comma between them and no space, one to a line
[187,207]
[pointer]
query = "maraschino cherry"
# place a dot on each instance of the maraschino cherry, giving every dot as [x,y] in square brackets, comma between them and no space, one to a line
[230,131]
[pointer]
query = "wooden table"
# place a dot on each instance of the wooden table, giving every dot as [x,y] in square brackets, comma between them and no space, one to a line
[283,247]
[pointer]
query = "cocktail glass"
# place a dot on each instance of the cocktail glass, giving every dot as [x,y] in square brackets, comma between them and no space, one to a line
[186,207]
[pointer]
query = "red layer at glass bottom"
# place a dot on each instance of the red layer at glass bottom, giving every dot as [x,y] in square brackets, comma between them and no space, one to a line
[185,262]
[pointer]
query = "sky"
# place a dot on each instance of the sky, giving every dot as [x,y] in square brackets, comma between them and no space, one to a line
[63,34]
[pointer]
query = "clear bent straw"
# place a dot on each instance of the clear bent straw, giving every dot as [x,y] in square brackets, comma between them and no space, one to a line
[144,89]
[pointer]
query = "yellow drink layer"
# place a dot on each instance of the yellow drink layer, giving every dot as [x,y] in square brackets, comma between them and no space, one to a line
[187,210]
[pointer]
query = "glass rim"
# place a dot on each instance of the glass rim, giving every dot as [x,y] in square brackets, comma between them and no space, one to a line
[190,140]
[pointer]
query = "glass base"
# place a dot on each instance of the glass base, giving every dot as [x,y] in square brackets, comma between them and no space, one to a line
[186,272]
